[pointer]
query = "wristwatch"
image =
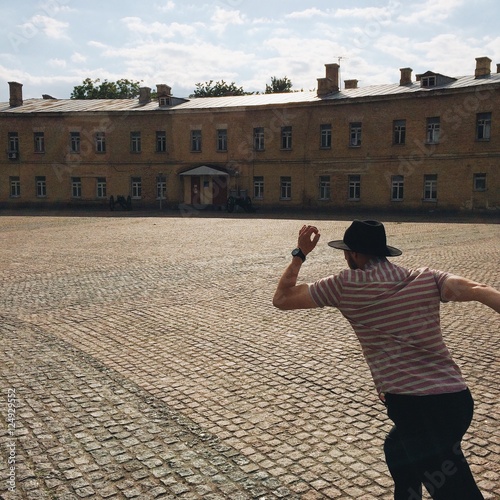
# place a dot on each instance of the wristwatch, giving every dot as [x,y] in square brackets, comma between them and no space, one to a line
[297,252]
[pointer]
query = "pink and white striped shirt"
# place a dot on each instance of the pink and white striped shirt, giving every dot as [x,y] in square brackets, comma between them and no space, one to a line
[395,314]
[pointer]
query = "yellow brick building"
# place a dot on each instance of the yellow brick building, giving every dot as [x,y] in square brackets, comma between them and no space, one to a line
[431,142]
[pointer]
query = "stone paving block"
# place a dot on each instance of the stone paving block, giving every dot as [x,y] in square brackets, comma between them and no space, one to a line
[136,357]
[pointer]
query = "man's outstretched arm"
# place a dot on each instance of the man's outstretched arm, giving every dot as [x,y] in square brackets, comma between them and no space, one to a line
[288,294]
[460,289]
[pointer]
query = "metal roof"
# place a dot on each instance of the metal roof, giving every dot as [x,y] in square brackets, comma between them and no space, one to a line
[178,104]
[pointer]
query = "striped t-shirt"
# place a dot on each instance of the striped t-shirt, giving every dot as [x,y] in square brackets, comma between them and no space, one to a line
[395,314]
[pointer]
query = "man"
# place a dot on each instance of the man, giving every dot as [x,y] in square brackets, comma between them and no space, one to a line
[394,312]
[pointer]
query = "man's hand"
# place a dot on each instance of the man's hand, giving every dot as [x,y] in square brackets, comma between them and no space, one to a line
[308,238]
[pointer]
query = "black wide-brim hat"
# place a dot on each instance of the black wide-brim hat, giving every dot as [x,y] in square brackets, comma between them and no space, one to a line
[367,237]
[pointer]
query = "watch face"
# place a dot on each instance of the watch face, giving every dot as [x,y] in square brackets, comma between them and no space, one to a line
[295,252]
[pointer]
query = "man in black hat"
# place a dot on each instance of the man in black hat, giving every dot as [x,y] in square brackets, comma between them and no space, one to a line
[394,312]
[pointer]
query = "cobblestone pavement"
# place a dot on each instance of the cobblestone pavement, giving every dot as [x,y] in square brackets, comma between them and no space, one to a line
[145,360]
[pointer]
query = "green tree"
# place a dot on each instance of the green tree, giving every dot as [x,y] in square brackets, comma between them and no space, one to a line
[95,89]
[279,85]
[217,89]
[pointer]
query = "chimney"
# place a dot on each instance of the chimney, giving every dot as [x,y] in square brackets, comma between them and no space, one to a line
[163,90]
[144,95]
[16,94]
[351,84]
[330,83]
[405,76]
[483,67]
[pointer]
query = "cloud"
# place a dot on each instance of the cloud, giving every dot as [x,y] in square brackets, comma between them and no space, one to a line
[78,58]
[166,7]
[57,63]
[162,30]
[431,12]
[51,27]
[222,18]
[305,14]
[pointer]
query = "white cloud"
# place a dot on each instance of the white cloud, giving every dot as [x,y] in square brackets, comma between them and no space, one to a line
[305,14]
[137,26]
[431,11]
[51,27]
[57,63]
[166,7]
[78,58]
[222,18]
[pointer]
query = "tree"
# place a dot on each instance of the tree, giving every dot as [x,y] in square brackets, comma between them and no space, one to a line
[121,89]
[279,85]
[217,89]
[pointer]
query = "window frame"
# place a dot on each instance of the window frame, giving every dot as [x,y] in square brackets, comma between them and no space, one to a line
[136,187]
[354,187]
[476,179]
[483,124]
[324,186]
[76,187]
[161,141]
[39,142]
[41,186]
[14,186]
[397,187]
[74,142]
[101,188]
[433,130]
[286,138]
[430,188]
[135,142]
[325,137]
[258,139]
[196,138]
[285,188]
[221,137]
[258,187]
[355,130]
[399,132]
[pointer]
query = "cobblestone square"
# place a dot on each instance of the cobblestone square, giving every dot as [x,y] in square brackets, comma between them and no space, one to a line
[145,359]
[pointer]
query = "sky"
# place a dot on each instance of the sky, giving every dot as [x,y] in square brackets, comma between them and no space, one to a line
[51,46]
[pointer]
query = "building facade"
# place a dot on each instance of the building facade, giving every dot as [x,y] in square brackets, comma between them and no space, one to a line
[429,143]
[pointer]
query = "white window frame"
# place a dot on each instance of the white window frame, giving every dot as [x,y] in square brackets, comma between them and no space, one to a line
[285,188]
[15,187]
[258,139]
[354,187]
[355,134]
[258,187]
[324,187]
[397,187]
[76,187]
[101,187]
[430,187]
[136,188]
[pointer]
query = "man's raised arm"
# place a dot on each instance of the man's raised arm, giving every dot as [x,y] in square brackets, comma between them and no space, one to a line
[288,294]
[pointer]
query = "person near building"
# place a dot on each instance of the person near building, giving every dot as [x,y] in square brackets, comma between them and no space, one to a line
[394,312]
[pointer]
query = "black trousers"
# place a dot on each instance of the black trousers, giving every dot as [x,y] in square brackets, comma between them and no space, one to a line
[424,446]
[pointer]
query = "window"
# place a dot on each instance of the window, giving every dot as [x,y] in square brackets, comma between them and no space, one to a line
[286,137]
[39,142]
[324,187]
[136,187]
[135,142]
[76,187]
[161,187]
[40,186]
[325,136]
[355,134]
[433,129]
[196,140]
[222,139]
[74,142]
[258,187]
[397,188]
[428,81]
[430,187]
[354,186]
[483,127]
[479,182]
[258,138]
[15,187]
[13,151]
[399,131]
[164,101]
[161,141]
[100,142]
[285,188]
[101,187]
